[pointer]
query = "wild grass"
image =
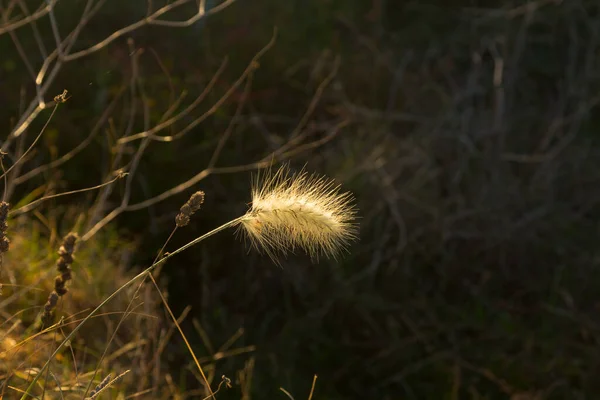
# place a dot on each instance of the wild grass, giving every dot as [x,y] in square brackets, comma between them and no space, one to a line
[293,195]
[98,321]
[466,131]
[26,344]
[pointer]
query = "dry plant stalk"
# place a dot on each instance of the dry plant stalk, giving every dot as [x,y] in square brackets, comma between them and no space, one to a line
[299,210]
[288,211]
[63,265]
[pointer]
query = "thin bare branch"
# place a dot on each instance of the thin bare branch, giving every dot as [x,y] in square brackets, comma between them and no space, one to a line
[36,31]
[253,65]
[34,142]
[56,33]
[170,121]
[11,26]
[225,136]
[316,98]
[151,20]
[81,146]
[35,203]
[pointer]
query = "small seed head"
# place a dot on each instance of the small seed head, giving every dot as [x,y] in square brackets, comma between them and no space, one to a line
[189,208]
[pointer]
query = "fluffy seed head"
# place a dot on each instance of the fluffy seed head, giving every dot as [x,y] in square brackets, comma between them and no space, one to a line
[299,210]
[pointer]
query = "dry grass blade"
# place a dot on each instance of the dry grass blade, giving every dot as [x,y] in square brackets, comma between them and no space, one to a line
[34,142]
[206,382]
[288,394]
[312,388]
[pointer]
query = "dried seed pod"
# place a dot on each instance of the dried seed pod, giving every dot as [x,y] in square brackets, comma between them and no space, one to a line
[63,265]
[189,208]
[99,387]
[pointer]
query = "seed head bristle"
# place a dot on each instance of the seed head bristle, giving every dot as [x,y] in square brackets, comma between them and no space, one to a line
[305,211]
[189,208]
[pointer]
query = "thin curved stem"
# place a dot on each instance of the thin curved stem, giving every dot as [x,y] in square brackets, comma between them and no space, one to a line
[34,142]
[34,203]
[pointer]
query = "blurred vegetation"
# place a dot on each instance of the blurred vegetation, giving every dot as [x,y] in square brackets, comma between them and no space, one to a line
[470,141]
[100,269]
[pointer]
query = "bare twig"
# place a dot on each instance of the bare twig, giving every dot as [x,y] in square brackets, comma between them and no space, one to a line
[34,203]
[34,142]
[11,26]
[80,146]
[151,132]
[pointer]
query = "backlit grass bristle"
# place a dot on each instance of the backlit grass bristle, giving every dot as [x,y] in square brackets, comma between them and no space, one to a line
[305,211]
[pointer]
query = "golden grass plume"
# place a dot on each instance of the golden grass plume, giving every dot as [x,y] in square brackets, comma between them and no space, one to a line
[299,210]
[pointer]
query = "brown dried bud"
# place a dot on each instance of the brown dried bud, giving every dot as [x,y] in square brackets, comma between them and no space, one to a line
[182,220]
[4,206]
[62,291]
[4,244]
[52,300]
[59,285]
[189,208]
[48,307]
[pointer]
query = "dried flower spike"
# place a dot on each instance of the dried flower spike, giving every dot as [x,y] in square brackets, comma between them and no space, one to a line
[100,386]
[63,265]
[299,210]
[189,208]
[104,385]
[4,242]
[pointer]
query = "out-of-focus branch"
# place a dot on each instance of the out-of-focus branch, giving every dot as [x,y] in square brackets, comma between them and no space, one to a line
[82,145]
[11,26]
[65,46]
[152,132]
[30,206]
[234,121]
[253,65]
[280,154]
[36,31]
[150,20]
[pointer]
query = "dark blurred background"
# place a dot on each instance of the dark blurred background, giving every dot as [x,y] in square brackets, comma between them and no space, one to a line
[468,132]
